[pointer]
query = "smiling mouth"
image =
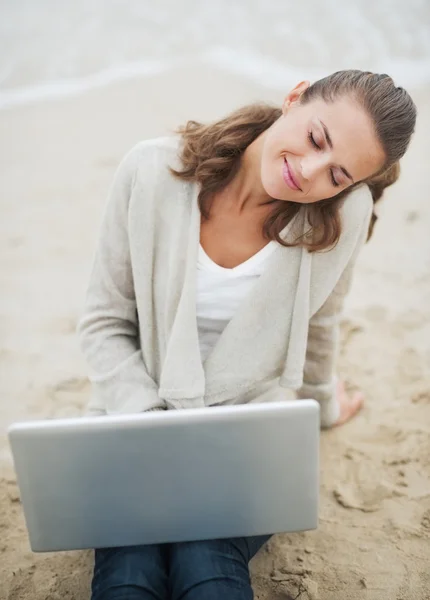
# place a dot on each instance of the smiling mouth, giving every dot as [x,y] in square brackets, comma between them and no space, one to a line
[289,178]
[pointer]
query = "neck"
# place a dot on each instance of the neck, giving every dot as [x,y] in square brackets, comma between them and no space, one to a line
[245,190]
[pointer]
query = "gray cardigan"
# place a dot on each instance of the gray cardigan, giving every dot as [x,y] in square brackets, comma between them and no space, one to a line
[138,330]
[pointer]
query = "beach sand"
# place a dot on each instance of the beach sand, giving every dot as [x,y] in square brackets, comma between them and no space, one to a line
[57,161]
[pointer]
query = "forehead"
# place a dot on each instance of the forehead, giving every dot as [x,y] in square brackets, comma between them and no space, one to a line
[355,145]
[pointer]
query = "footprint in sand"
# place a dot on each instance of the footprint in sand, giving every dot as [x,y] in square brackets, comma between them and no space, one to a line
[366,500]
[395,445]
[360,486]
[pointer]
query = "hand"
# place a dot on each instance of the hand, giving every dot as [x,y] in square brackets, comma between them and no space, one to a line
[350,404]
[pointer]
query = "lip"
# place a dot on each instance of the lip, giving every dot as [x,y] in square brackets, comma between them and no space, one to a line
[289,176]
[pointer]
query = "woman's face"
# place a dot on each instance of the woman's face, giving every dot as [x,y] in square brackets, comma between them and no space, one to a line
[316,150]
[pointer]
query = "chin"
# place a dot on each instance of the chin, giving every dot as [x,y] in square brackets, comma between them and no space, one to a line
[274,189]
[280,193]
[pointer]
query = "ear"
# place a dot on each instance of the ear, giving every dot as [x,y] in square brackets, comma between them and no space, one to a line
[294,96]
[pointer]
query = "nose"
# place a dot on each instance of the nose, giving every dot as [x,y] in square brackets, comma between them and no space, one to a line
[313,165]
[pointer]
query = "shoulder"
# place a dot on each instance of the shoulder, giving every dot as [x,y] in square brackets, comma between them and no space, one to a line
[357,208]
[157,152]
[150,158]
[152,185]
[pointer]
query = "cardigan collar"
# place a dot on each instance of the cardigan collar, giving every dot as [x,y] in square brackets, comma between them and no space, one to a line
[282,288]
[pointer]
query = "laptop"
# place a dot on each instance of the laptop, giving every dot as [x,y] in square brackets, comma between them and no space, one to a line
[168,476]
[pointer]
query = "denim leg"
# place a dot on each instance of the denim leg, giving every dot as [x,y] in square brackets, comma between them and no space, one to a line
[130,573]
[212,569]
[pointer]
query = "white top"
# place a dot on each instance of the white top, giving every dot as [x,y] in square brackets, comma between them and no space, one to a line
[220,292]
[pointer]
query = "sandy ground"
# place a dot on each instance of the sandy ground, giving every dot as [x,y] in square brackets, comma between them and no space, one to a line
[57,160]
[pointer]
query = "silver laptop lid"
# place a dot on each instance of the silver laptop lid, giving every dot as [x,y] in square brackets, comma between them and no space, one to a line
[168,476]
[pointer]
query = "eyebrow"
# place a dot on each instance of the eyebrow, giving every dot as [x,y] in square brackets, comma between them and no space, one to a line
[330,143]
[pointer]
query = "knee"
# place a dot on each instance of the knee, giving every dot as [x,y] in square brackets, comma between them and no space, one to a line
[208,569]
[126,574]
[208,558]
[116,579]
[114,567]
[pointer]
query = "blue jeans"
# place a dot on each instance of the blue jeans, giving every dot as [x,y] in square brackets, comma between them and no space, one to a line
[202,570]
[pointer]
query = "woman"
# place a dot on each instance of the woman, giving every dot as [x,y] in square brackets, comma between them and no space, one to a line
[224,258]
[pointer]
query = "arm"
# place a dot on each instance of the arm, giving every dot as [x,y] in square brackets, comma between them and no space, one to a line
[319,378]
[109,329]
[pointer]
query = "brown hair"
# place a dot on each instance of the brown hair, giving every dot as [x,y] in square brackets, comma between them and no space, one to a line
[211,154]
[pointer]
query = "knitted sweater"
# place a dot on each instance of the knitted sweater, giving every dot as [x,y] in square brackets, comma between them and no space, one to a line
[138,330]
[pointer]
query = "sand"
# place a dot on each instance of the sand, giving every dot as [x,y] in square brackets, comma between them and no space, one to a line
[57,160]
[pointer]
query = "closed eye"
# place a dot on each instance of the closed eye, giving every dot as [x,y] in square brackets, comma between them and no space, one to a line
[313,142]
[333,180]
[315,145]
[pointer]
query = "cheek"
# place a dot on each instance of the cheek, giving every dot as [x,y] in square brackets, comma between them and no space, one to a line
[273,150]
[271,175]
[277,137]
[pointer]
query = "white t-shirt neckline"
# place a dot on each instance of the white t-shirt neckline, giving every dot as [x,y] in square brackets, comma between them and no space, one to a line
[248,265]
[221,292]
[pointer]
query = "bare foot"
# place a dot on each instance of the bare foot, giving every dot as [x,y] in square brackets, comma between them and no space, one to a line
[350,404]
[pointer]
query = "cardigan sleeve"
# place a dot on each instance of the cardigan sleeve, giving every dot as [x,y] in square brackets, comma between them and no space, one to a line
[108,329]
[322,350]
